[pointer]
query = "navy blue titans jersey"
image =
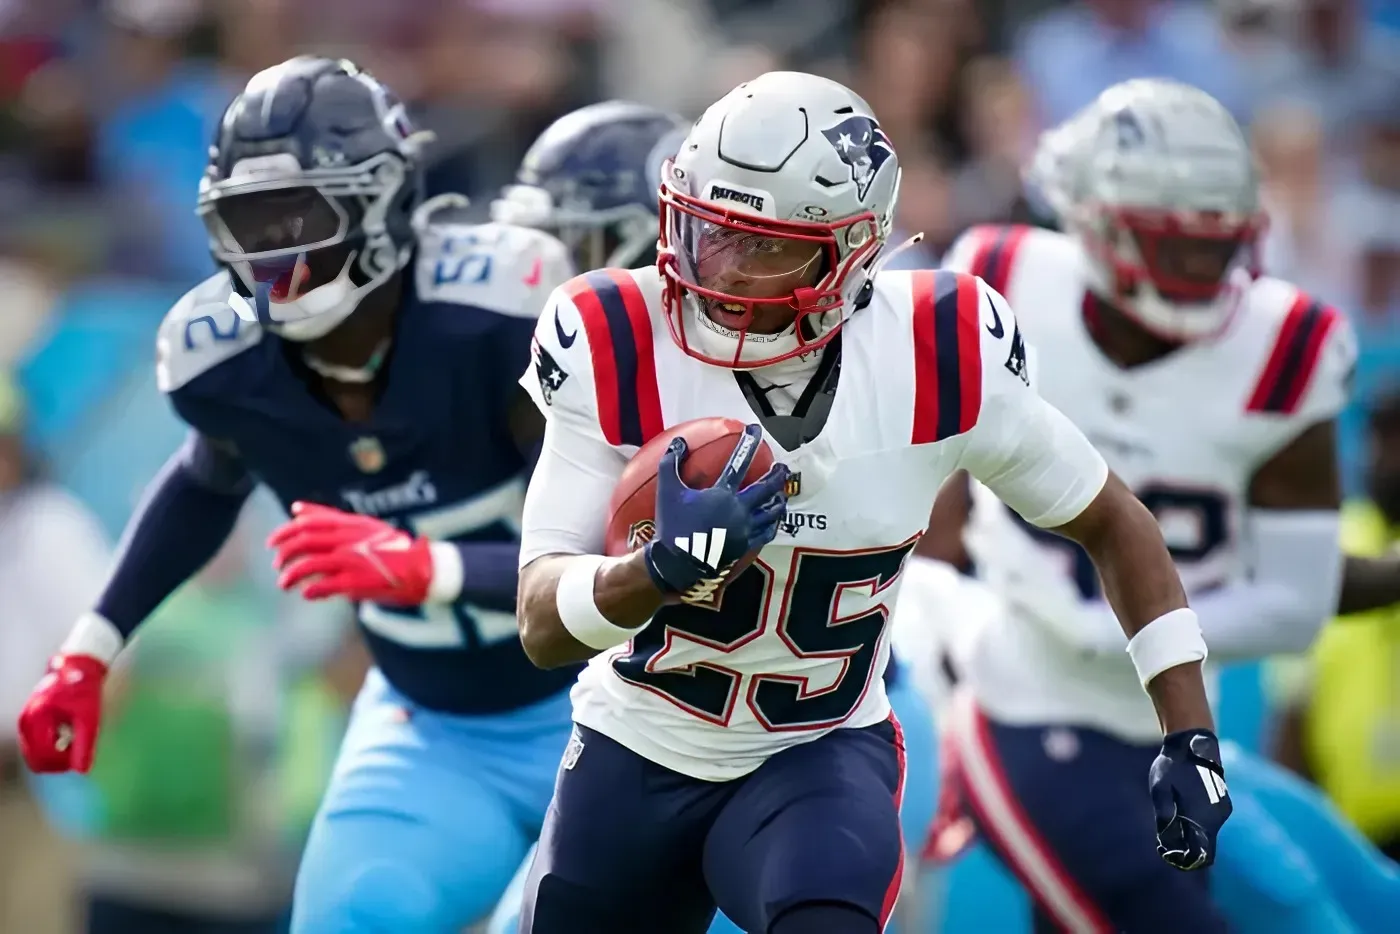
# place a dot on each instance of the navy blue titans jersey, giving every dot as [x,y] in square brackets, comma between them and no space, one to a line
[437,458]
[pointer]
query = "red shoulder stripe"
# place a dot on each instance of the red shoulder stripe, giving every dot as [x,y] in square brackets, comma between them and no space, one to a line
[1293,360]
[947,355]
[615,315]
[995,255]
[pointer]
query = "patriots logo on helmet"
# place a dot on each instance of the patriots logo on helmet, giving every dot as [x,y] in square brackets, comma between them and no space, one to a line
[863,146]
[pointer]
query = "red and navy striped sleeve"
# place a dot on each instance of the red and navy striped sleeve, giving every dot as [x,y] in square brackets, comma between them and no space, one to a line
[947,354]
[618,324]
[1293,361]
[994,253]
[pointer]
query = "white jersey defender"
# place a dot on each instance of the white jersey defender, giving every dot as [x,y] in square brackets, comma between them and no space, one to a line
[1186,432]
[932,379]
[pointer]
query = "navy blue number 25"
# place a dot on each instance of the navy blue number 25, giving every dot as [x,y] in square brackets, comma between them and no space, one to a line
[808,621]
[1206,508]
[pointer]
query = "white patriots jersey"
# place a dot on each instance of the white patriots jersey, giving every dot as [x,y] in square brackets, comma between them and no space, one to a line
[1186,433]
[796,644]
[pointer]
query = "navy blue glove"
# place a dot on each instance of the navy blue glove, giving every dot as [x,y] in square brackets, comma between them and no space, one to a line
[1189,795]
[700,534]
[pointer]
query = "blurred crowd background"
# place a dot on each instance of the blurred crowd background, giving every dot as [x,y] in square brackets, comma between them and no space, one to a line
[106,111]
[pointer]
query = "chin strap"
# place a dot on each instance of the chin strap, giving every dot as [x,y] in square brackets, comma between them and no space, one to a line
[891,254]
[350,374]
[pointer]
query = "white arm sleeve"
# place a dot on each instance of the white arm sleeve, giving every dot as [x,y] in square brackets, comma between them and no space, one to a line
[567,501]
[1022,448]
[1295,574]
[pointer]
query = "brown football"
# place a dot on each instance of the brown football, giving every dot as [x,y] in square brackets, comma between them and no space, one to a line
[710,442]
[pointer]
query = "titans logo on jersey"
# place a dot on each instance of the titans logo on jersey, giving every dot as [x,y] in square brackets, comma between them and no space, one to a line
[436,458]
[863,146]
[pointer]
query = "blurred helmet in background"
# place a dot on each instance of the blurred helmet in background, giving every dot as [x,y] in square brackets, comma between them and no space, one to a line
[313,178]
[1157,181]
[591,180]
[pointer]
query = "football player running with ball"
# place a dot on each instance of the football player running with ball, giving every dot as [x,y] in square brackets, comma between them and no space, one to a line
[733,743]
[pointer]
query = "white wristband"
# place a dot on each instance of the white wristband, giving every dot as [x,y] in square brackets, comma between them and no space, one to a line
[573,599]
[93,635]
[448,573]
[1169,640]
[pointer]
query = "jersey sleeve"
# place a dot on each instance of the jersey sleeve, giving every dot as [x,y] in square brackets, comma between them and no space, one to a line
[1308,371]
[592,375]
[988,252]
[497,267]
[1022,448]
[202,332]
[573,375]
[592,360]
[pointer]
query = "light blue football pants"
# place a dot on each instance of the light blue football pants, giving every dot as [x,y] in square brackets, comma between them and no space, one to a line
[427,815]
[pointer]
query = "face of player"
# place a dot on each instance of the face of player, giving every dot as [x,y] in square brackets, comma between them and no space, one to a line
[1189,269]
[750,265]
[293,238]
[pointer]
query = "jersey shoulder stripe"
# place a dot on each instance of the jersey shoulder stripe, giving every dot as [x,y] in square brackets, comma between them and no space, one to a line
[201,331]
[994,253]
[618,322]
[947,354]
[1292,362]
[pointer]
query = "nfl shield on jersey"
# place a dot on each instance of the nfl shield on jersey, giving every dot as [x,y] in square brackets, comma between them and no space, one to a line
[1185,432]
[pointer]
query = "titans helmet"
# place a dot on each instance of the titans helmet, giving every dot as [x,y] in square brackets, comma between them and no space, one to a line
[591,180]
[313,179]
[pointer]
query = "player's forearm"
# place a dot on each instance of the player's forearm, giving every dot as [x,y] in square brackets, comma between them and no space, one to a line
[486,570]
[1369,584]
[180,525]
[557,626]
[1142,585]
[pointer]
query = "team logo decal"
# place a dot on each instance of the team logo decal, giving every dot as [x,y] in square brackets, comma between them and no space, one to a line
[368,455]
[863,146]
[550,374]
[640,533]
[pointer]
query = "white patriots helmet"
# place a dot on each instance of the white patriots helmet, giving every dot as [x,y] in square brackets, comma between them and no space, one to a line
[1158,183]
[773,214]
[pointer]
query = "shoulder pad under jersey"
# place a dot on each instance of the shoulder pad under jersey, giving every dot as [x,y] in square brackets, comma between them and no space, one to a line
[497,267]
[201,331]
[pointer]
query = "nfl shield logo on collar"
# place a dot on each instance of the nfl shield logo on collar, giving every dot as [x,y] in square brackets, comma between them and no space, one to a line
[368,455]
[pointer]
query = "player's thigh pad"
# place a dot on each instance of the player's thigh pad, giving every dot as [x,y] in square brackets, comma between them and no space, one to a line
[410,838]
[620,849]
[1068,811]
[818,822]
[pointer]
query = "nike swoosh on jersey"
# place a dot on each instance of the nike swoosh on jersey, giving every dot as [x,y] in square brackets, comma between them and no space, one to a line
[996,330]
[565,340]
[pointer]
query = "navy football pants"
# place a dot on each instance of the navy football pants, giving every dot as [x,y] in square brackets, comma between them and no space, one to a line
[630,847]
[1067,811]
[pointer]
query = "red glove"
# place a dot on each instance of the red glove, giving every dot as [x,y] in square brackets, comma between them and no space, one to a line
[331,553]
[58,726]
